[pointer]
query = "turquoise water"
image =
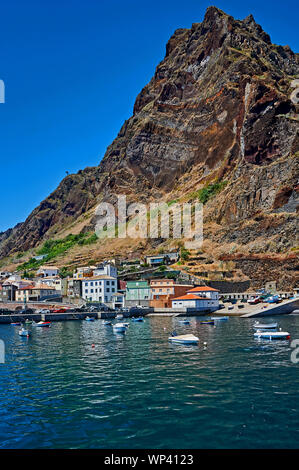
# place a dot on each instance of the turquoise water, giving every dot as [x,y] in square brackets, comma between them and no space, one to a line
[139,391]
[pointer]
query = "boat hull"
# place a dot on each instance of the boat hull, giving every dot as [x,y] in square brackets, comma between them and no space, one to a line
[184,339]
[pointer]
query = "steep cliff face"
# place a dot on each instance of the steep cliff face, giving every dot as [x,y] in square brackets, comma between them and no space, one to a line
[217,109]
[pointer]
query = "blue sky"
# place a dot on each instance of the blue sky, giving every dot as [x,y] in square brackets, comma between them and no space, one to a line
[72,70]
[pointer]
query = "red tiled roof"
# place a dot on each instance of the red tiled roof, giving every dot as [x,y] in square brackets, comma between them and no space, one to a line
[190,297]
[203,289]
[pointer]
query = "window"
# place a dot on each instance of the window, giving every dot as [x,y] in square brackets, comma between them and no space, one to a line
[86,291]
[91,291]
[107,290]
[112,290]
[108,283]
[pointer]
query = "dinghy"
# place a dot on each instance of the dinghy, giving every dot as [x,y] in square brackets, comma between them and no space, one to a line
[43,324]
[119,328]
[265,326]
[107,323]
[272,334]
[137,319]
[184,339]
[219,318]
[184,322]
[89,319]
[15,324]
[24,332]
[207,322]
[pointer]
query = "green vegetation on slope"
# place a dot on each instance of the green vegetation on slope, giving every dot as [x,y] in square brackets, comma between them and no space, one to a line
[53,248]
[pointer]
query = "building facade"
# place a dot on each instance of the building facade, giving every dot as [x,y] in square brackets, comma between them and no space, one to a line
[99,288]
[164,290]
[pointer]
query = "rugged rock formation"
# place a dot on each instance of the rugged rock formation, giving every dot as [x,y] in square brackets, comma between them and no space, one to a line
[217,109]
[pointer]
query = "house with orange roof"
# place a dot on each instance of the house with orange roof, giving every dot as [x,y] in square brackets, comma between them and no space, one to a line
[202,298]
[35,292]
[164,290]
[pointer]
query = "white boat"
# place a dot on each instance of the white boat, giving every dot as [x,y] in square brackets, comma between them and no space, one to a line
[265,326]
[272,334]
[24,332]
[184,339]
[184,322]
[119,328]
[219,318]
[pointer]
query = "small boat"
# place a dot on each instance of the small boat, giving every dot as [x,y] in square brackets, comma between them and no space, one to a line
[219,318]
[15,324]
[126,325]
[184,322]
[119,328]
[24,332]
[28,322]
[183,339]
[89,319]
[137,319]
[43,324]
[265,326]
[119,316]
[272,334]
[207,322]
[107,323]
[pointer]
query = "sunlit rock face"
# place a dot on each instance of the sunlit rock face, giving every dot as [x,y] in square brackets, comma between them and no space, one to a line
[218,108]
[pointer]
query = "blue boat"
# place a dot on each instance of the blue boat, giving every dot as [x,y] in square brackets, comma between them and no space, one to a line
[107,323]
[184,322]
[137,319]
[219,318]
[24,332]
[89,319]
[207,322]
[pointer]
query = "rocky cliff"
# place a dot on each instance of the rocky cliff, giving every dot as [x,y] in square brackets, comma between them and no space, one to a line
[217,109]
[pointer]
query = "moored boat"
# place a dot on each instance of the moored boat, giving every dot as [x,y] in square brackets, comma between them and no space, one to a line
[265,326]
[107,323]
[119,328]
[183,339]
[207,322]
[89,319]
[272,334]
[184,322]
[24,332]
[136,319]
[219,318]
[15,324]
[43,324]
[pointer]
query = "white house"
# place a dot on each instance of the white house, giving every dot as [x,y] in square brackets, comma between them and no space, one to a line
[118,300]
[47,271]
[200,298]
[54,282]
[99,288]
[105,269]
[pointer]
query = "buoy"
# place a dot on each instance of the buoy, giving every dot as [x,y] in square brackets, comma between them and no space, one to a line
[92,345]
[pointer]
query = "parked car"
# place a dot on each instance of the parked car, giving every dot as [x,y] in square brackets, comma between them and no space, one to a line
[59,310]
[254,300]
[42,311]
